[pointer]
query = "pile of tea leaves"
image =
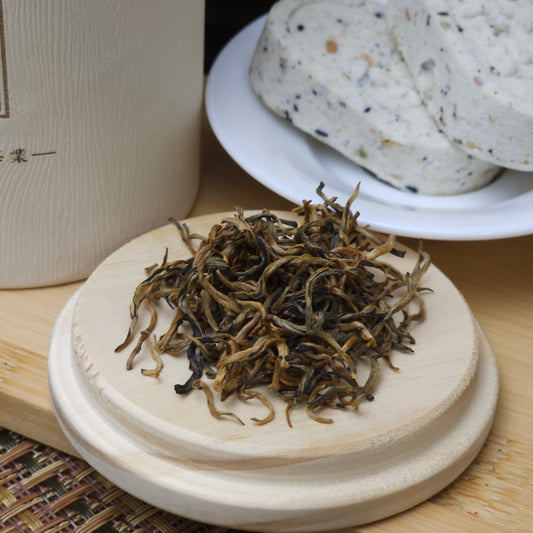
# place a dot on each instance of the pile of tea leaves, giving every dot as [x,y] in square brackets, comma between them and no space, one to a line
[295,307]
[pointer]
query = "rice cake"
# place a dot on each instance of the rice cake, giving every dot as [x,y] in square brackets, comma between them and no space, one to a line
[472,63]
[331,69]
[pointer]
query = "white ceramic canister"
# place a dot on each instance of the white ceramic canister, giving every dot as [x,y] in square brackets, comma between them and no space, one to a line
[100,110]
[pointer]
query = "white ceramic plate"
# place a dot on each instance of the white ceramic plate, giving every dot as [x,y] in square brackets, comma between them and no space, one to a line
[292,164]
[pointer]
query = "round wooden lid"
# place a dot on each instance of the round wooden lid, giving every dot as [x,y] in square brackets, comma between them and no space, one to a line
[423,428]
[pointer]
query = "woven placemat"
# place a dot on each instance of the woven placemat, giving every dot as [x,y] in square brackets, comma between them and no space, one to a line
[43,490]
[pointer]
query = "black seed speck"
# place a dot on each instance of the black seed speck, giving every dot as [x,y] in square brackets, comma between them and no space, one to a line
[367,109]
[443,13]
[470,156]
[315,93]
[321,133]
[300,27]
[288,116]
[298,96]
[265,49]
[378,15]
[428,20]
[411,188]
[425,158]
[469,174]
[342,104]
[490,150]
[295,107]
[459,28]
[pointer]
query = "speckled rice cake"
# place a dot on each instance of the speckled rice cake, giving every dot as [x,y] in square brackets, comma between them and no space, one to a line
[331,69]
[472,62]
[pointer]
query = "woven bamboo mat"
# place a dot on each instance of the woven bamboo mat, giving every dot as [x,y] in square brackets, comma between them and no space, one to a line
[43,490]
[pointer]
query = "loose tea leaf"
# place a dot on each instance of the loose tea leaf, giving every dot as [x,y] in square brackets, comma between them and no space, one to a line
[295,307]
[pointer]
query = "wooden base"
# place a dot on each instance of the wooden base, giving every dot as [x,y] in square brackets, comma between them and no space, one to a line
[424,428]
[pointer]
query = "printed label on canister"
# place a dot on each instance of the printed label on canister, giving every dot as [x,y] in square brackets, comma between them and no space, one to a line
[4,95]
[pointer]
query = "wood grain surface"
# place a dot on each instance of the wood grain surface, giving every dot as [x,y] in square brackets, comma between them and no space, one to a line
[425,425]
[494,494]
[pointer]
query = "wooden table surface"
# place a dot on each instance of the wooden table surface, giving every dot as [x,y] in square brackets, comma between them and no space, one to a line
[496,277]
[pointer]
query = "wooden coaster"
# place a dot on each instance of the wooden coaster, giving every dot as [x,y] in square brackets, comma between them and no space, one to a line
[425,426]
